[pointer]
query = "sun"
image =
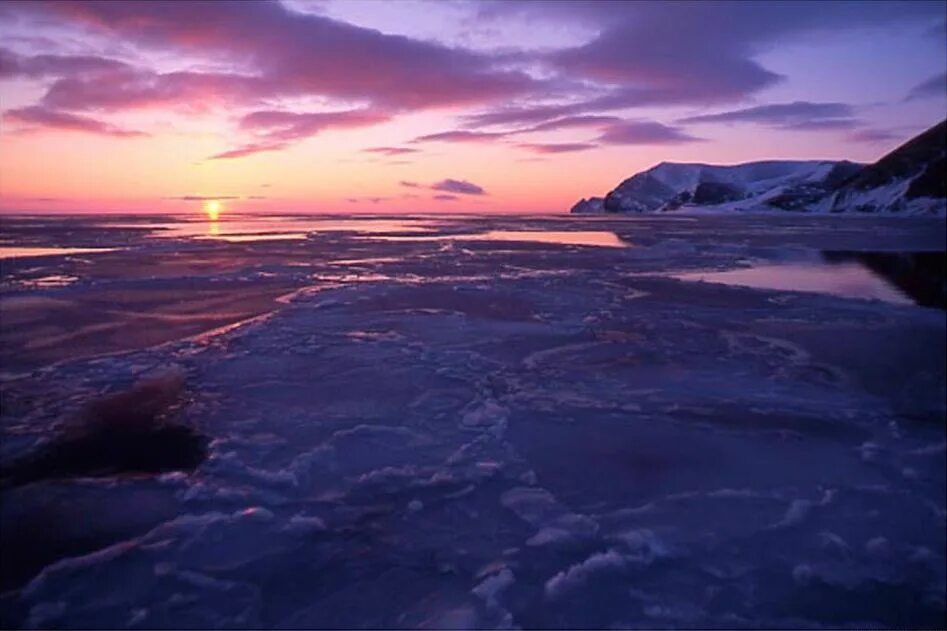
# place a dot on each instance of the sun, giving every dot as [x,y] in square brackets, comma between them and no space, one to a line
[212,208]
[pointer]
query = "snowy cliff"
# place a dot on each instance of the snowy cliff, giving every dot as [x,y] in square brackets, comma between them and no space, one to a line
[909,180]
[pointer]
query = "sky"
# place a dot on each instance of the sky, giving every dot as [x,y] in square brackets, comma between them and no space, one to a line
[426,106]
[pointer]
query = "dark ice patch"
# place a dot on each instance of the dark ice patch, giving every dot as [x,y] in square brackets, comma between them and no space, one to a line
[125,432]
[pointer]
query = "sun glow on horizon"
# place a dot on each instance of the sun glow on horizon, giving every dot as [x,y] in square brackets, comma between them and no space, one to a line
[212,209]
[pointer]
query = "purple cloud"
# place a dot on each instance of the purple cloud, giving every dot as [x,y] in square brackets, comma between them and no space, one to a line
[280,52]
[558,147]
[644,133]
[572,122]
[36,116]
[445,198]
[873,135]
[458,186]
[681,53]
[13,65]
[799,115]
[460,136]
[524,114]
[448,185]
[137,88]
[933,87]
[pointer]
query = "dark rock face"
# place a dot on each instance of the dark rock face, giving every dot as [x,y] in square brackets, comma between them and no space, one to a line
[909,160]
[931,183]
[588,206]
[841,173]
[127,432]
[913,175]
[715,193]
[640,193]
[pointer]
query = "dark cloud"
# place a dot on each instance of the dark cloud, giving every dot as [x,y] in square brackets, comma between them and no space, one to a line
[644,133]
[391,151]
[448,185]
[202,198]
[370,200]
[458,186]
[445,198]
[37,117]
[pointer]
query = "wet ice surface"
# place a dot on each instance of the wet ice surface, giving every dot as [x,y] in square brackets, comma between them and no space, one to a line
[851,280]
[476,433]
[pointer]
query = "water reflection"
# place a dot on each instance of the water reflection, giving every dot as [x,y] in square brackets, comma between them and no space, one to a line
[12,252]
[920,275]
[896,277]
[598,238]
[238,225]
[272,236]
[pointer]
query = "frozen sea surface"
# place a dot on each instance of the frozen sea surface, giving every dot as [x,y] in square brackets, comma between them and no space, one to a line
[460,431]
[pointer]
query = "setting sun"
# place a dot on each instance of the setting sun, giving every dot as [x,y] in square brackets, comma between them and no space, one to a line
[212,209]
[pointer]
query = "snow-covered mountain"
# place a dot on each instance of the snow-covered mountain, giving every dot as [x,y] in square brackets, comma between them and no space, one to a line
[912,179]
[909,179]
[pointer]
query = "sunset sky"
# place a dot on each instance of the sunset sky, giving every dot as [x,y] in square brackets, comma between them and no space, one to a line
[431,106]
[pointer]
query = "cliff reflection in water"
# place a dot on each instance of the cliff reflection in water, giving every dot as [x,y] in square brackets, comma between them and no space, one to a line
[920,275]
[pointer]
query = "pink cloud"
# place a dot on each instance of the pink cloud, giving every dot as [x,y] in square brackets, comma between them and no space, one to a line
[40,117]
[273,130]
[282,53]
[138,88]
[248,150]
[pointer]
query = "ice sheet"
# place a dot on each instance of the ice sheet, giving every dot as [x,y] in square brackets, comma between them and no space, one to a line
[446,433]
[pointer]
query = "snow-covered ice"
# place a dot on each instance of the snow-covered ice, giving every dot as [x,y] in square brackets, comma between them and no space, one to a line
[492,433]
